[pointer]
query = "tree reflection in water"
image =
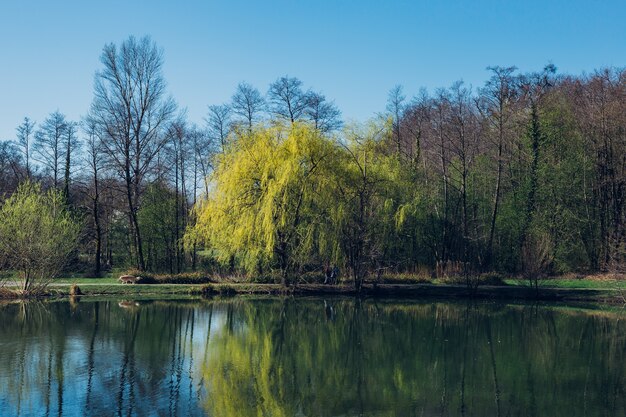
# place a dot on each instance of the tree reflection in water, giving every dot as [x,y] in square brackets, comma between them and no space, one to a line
[311,357]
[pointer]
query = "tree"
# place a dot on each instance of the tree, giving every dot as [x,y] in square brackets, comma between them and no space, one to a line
[599,107]
[395,107]
[49,145]
[181,148]
[247,103]
[94,160]
[269,192]
[219,124]
[25,133]
[11,168]
[288,102]
[535,87]
[158,217]
[131,110]
[464,145]
[71,147]
[370,199]
[205,150]
[324,115]
[497,104]
[37,235]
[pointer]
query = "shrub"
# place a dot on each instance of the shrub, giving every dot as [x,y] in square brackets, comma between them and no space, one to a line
[487,278]
[406,278]
[37,235]
[207,290]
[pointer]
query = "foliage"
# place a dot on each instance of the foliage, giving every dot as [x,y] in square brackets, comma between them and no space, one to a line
[37,235]
[157,221]
[269,199]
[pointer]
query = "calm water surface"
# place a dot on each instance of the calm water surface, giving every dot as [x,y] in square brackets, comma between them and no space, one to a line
[309,357]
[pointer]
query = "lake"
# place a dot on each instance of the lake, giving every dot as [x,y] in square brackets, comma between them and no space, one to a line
[310,357]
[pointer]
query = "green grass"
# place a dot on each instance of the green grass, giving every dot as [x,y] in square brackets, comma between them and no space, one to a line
[109,286]
[131,290]
[572,283]
[85,280]
[546,283]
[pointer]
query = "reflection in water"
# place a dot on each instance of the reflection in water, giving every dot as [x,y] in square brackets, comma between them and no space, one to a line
[286,357]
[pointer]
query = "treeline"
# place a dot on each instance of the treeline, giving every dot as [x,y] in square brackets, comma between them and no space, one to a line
[133,167]
[526,174]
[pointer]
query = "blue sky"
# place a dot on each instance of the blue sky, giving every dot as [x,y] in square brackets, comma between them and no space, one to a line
[352,51]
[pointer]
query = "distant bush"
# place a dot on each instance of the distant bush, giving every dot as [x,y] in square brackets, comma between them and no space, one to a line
[487,278]
[605,277]
[210,290]
[491,278]
[406,278]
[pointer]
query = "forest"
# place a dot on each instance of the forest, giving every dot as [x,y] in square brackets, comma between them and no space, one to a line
[523,175]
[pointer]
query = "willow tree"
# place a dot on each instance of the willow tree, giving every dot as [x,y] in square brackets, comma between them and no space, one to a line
[268,199]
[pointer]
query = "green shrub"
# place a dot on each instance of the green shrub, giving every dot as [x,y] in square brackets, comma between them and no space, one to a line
[38,234]
[182,278]
[406,278]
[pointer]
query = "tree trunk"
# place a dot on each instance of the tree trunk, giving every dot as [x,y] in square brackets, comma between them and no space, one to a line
[496,198]
[96,220]
[535,136]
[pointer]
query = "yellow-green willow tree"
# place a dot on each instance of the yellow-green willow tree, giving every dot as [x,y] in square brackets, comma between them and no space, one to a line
[290,197]
[267,205]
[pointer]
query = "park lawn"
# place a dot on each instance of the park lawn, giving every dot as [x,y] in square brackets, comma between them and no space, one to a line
[579,283]
[132,289]
[86,280]
[582,283]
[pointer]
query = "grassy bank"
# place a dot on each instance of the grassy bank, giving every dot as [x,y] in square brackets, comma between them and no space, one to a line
[564,291]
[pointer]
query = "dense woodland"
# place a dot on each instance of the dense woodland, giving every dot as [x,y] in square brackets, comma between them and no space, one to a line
[525,174]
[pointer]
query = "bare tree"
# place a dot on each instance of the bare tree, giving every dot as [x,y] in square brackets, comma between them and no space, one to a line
[11,168]
[181,148]
[247,103]
[205,149]
[414,127]
[395,106]
[71,147]
[464,143]
[219,123]
[49,144]
[497,105]
[94,160]
[324,115]
[287,99]
[131,110]
[25,133]
[600,110]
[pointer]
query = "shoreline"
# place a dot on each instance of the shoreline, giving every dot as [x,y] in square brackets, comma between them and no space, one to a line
[440,291]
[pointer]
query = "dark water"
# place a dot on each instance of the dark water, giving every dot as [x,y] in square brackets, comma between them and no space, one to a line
[310,358]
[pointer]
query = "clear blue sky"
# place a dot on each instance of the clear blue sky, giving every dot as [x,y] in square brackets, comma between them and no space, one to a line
[353,51]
